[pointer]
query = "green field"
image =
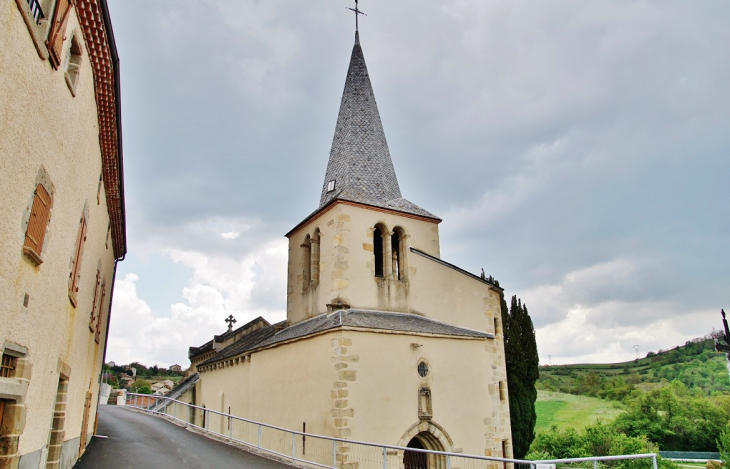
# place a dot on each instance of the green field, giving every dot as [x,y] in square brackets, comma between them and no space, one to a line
[570,411]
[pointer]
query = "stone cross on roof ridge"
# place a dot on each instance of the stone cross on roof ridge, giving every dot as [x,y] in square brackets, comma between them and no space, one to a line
[230,320]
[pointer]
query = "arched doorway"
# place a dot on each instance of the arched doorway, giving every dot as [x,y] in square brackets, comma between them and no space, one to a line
[414,459]
[419,460]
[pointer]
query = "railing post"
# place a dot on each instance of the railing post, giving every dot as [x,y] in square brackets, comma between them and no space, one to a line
[595,464]
[259,435]
[448,461]
[334,454]
[293,446]
[174,410]
[653,459]
[206,417]
[385,458]
[230,427]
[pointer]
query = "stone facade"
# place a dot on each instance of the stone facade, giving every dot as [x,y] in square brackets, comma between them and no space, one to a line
[58,137]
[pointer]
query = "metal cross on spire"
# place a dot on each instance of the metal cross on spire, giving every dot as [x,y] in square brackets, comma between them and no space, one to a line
[230,320]
[357,12]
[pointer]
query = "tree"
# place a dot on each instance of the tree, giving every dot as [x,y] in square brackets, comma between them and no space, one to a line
[139,385]
[522,361]
[675,418]
[723,444]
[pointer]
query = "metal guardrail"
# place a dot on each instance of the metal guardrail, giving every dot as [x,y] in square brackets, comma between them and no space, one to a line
[330,452]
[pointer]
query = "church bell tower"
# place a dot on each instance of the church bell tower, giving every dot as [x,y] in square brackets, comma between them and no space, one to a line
[353,250]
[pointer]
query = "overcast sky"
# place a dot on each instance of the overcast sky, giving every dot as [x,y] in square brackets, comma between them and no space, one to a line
[578,151]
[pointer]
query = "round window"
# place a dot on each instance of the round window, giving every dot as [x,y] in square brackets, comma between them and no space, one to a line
[422,369]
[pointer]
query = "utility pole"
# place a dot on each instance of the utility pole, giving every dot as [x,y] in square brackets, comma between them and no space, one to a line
[637,347]
[720,347]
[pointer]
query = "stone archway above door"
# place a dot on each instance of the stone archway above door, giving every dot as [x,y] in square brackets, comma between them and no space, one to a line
[433,429]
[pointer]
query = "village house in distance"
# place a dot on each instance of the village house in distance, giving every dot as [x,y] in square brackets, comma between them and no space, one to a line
[62,224]
[384,341]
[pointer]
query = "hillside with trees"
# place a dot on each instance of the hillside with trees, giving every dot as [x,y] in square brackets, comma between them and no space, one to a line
[678,399]
[138,377]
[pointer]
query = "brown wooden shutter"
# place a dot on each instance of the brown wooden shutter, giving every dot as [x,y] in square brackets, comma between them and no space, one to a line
[40,212]
[94,309]
[85,422]
[58,29]
[75,276]
[100,313]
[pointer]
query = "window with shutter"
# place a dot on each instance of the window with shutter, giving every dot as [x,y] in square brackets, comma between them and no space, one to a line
[37,224]
[73,66]
[75,275]
[100,313]
[94,305]
[54,43]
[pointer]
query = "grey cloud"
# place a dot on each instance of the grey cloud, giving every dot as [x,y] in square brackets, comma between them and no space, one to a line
[551,137]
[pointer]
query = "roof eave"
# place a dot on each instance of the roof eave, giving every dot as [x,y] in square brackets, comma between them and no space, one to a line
[329,205]
[96,17]
[456,268]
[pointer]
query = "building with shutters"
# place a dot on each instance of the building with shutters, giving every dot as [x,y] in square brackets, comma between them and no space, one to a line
[384,341]
[62,223]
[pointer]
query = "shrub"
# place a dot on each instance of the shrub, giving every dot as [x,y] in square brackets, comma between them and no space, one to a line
[595,440]
[723,444]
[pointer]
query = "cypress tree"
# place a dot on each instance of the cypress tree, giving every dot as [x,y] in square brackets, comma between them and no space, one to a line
[522,362]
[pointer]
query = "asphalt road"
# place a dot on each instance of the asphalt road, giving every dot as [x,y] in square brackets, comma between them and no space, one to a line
[137,441]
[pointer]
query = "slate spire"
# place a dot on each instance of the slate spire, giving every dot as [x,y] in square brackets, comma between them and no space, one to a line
[360,168]
[359,162]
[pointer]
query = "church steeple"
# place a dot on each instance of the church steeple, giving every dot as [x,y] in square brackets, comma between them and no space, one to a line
[360,168]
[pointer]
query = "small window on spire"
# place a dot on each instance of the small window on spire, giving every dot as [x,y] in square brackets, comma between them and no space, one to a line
[331,186]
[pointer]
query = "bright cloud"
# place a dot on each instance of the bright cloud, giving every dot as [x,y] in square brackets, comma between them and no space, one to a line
[246,287]
[230,235]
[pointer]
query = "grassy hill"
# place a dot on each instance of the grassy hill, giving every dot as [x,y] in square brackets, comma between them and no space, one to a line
[571,411]
[696,364]
[575,396]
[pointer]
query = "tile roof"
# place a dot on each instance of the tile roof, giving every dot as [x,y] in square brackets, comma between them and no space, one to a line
[209,346]
[99,39]
[192,351]
[359,162]
[352,318]
[366,319]
[228,334]
[245,343]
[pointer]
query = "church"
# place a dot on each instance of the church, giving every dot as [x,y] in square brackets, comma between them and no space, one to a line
[384,341]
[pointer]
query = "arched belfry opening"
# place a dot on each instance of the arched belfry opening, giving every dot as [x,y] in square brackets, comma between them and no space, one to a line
[306,261]
[379,249]
[395,246]
[314,257]
[398,249]
[418,460]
